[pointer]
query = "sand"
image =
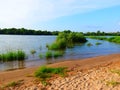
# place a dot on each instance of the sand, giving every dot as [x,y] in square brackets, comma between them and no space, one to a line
[87,74]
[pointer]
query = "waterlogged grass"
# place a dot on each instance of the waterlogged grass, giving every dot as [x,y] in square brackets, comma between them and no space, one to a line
[89,44]
[13,55]
[33,52]
[51,54]
[48,54]
[98,37]
[44,73]
[58,54]
[67,40]
[98,43]
[115,39]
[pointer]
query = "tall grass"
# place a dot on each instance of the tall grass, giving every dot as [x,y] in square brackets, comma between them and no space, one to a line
[13,55]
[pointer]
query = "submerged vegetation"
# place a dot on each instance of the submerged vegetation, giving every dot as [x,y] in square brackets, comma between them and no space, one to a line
[67,39]
[33,52]
[13,55]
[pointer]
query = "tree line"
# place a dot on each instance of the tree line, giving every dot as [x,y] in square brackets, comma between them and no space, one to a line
[23,31]
[101,33]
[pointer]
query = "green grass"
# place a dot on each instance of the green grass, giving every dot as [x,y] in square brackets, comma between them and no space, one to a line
[112,83]
[44,73]
[98,37]
[13,55]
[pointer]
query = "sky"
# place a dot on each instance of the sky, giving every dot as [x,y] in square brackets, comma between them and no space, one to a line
[52,15]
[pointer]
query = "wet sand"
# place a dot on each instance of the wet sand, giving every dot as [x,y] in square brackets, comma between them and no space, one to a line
[85,74]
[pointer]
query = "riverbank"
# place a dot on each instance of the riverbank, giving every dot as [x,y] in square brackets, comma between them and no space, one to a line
[91,73]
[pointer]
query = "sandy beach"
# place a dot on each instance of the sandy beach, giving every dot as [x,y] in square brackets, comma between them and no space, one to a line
[87,74]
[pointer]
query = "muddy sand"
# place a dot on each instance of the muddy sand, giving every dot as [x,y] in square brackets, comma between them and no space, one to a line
[86,74]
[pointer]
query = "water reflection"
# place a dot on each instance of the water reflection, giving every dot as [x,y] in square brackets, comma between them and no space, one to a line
[10,65]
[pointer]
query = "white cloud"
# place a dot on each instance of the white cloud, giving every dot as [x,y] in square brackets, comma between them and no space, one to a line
[18,13]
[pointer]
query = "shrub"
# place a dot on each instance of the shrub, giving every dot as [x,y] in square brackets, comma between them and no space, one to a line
[67,39]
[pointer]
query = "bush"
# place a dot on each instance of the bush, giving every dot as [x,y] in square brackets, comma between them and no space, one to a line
[67,39]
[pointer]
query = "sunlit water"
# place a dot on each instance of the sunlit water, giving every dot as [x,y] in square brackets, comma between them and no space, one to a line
[38,43]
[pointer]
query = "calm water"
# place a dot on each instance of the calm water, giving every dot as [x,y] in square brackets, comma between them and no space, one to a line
[38,43]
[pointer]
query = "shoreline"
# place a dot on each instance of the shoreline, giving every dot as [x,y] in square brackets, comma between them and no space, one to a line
[80,64]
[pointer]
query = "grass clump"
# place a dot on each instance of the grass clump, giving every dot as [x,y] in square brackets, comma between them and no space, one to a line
[116,71]
[112,83]
[98,43]
[89,44]
[13,55]
[44,73]
[33,52]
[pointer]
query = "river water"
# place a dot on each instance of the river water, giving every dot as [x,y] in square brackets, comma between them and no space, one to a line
[38,43]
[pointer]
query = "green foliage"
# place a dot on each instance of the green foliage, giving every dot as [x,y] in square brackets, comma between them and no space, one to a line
[98,37]
[13,55]
[114,39]
[48,54]
[32,52]
[67,39]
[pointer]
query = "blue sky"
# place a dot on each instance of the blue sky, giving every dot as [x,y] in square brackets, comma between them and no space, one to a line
[75,15]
